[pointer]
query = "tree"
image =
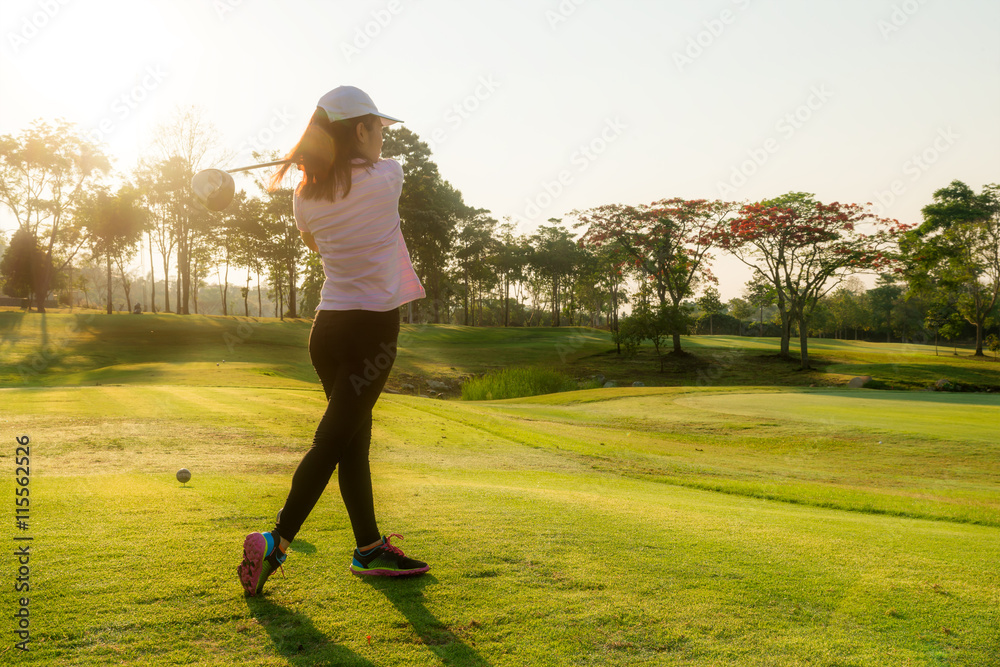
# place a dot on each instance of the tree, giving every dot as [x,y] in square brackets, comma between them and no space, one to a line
[509,260]
[284,249]
[957,250]
[807,248]
[554,254]
[760,293]
[312,283]
[741,309]
[180,147]
[993,345]
[847,308]
[250,240]
[882,301]
[21,265]
[474,248]
[668,241]
[44,172]
[113,225]
[711,304]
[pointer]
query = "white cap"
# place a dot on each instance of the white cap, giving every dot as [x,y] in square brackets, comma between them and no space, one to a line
[350,102]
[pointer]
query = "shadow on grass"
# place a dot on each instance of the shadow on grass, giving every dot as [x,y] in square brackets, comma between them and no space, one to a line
[298,640]
[407,595]
[10,321]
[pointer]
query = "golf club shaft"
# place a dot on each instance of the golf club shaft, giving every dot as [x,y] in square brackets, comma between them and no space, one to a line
[258,166]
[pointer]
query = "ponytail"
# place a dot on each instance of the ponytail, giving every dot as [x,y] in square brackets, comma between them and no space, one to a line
[324,155]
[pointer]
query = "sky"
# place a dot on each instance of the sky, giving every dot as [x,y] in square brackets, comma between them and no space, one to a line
[534,109]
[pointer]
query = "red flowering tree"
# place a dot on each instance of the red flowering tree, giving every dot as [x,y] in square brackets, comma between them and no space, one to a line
[807,248]
[667,241]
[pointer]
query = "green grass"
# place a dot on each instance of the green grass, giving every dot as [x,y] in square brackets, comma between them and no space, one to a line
[517,382]
[685,525]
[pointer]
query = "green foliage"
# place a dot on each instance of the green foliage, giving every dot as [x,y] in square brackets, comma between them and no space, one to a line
[955,254]
[630,334]
[22,265]
[993,344]
[516,383]
[312,285]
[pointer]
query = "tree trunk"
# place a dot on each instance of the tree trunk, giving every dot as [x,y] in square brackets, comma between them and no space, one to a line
[979,340]
[42,286]
[291,294]
[506,299]
[194,291]
[465,299]
[555,301]
[110,306]
[786,332]
[127,287]
[151,306]
[178,290]
[803,343]
[185,308]
[166,282]
[677,342]
[225,290]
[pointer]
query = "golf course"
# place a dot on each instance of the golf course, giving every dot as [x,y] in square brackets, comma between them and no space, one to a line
[730,510]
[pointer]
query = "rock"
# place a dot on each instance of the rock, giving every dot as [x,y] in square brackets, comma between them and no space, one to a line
[599,378]
[437,386]
[943,385]
[407,387]
[859,382]
[638,384]
[608,385]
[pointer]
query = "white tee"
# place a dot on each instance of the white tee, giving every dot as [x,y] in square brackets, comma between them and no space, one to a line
[365,259]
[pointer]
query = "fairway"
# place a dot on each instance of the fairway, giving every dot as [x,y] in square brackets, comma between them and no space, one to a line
[633,526]
[960,417]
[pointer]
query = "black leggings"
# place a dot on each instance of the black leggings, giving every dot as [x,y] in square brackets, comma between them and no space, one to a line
[353,352]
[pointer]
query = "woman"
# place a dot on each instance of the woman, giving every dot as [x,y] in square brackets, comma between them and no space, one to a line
[346,209]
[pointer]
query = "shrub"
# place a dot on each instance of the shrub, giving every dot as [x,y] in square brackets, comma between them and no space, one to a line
[516,383]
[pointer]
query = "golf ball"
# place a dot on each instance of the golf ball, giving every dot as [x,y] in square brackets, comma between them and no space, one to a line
[183,475]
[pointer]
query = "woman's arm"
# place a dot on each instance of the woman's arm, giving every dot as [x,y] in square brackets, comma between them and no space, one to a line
[308,239]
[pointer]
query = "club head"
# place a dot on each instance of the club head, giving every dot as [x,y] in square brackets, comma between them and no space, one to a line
[214,188]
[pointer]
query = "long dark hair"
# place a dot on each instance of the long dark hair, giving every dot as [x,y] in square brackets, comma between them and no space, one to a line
[324,155]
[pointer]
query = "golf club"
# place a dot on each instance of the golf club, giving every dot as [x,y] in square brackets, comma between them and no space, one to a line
[215,188]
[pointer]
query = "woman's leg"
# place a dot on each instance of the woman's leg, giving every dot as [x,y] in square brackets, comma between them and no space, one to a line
[353,352]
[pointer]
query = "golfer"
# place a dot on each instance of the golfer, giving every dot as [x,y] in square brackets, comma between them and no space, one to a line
[346,209]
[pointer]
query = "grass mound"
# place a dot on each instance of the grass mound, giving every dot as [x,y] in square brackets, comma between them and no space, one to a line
[517,383]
